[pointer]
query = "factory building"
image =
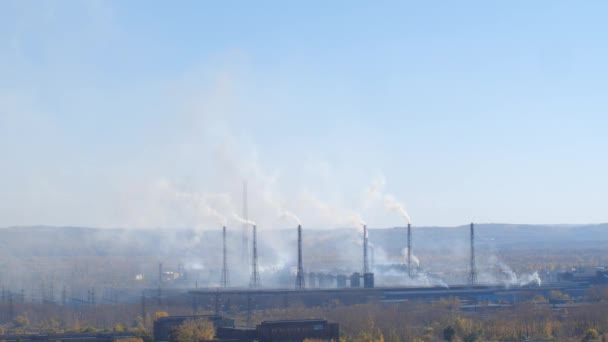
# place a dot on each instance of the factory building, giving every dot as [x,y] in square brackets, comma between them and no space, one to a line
[268,331]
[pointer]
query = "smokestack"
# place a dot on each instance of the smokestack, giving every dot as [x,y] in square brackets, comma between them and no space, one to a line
[473,275]
[245,241]
[300,276]
[365,262]
[255,280]
[409,250]
[224,280]
[373,261]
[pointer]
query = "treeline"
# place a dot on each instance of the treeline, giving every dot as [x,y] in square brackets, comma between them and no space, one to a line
[443,320]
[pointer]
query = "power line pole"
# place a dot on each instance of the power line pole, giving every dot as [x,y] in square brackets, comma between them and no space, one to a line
[143,307]
[160,283]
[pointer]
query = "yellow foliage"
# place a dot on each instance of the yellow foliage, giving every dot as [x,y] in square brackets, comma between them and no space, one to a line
[160,314]
[194,331]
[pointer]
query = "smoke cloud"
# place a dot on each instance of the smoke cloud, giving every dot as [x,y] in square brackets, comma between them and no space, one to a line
[376,192]
[242,220]
[287,215]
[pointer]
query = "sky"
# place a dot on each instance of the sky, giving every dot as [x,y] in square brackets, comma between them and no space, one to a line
[152,114]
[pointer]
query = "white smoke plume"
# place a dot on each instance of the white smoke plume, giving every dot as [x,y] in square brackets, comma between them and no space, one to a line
[288,215]
[415,259]
[199,208]
[391,203]
[331,215]
[242,220]
[376,192]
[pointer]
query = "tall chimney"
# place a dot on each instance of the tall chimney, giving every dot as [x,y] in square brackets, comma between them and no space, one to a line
[373,258]
[473,266]
[365,262]
[245,239]
[255,280]
[300,276]
[224,281]
[409,250]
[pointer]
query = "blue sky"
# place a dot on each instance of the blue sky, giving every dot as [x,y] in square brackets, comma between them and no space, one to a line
[111,111]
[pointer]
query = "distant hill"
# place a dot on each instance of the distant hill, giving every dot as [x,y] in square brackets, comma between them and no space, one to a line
[82,241]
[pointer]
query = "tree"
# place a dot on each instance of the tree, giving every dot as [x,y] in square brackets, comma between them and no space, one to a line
[194,331]
[591,335]
[21,321]
[160,314]
[449,333]
[472,337]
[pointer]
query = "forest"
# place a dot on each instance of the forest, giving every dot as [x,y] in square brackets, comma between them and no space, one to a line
[557,318]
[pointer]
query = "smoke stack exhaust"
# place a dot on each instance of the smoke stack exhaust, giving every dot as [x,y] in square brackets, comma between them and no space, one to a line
[224,281]
[255,278]
[300,276]
[365,262]
[409,250]
[473,276]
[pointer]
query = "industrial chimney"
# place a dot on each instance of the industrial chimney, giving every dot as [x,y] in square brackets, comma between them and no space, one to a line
[255,278]
[224,280]
[300,276]
[245,238]
[409,250]
[365,262]
[473,276]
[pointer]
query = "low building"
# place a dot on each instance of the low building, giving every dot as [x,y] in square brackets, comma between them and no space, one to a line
[284,331]
[267,331]
[298,330]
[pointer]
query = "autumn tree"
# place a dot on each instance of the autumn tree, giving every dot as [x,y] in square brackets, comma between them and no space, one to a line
[194,331]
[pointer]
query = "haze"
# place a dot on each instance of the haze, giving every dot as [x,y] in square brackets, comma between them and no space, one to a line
[139,114]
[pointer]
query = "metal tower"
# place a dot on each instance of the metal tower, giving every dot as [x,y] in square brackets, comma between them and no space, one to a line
[300,276]
[160,283]
[224,281]
[409,250]
[255,279]
[365,262]
[473,275]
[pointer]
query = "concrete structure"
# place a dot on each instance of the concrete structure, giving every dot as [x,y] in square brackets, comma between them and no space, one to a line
[355,279]
[341,280]
[368,280]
